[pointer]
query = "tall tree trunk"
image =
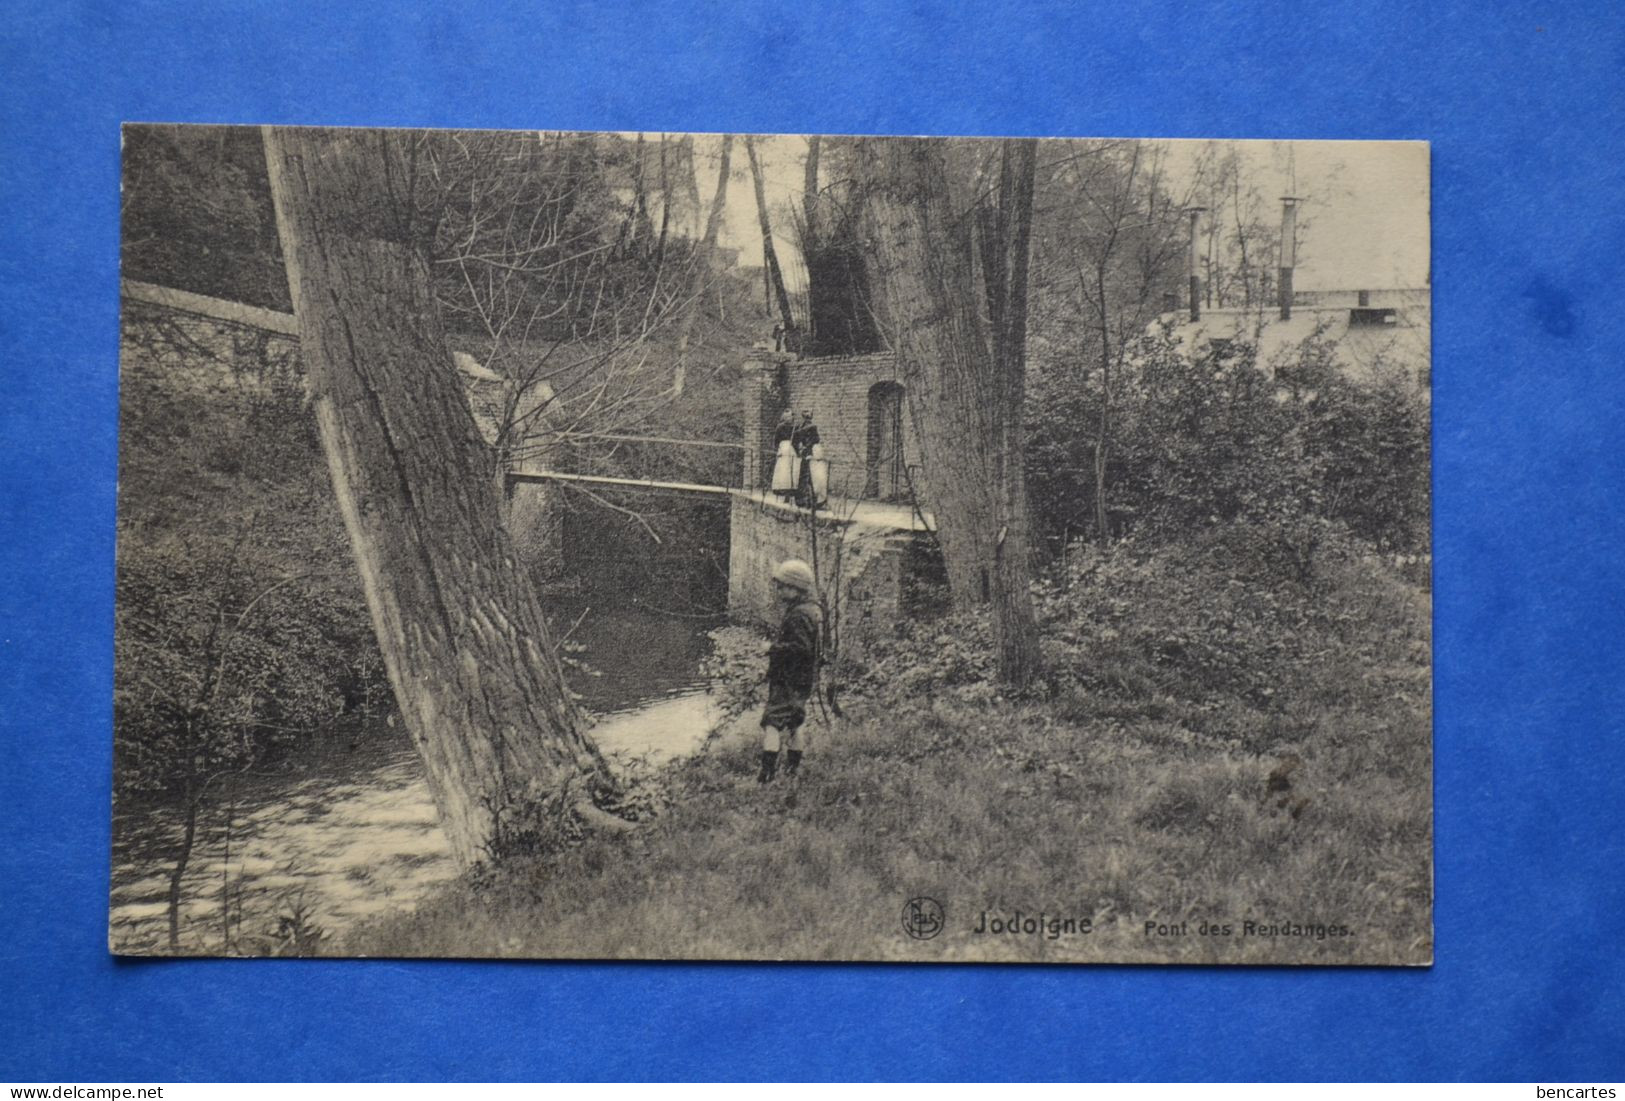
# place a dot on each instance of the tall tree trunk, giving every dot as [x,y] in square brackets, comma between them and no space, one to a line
[770,257]
[812,245]
[665,207]
[1102,517]
[636,230]
[963,379]
[1102,520]
[463,637]
[702,263]
[809,190]
[177,875]
[811,213]
[1243,232]
[691,184]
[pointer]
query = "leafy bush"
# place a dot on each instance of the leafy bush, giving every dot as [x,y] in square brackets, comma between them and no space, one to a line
[240,626]
[737,669]
[1228,639]
[1221,440]
[952,657]
[220,657]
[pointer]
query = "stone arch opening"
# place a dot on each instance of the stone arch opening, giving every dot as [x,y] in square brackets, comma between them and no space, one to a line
[885,475]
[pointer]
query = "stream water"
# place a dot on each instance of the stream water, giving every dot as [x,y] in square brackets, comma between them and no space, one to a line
[346,830]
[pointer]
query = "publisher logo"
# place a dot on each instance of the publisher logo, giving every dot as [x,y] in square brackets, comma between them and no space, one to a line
[923,918]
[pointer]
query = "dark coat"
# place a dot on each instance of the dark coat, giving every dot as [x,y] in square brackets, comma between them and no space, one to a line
[792,667]
[784,431]
[803,438]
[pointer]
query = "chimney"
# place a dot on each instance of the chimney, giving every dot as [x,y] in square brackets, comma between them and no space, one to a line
[1194,266]
[1365,299]
[1289,252]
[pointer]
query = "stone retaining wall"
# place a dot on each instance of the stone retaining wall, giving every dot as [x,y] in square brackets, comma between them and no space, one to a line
[865,573]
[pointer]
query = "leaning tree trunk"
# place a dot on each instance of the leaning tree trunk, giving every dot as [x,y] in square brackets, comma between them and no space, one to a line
[770,257]
[177,875]
[463,637]
[809,190]
[964,383]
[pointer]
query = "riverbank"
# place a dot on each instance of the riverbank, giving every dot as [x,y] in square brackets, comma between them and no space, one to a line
[292,854]
[1243,777]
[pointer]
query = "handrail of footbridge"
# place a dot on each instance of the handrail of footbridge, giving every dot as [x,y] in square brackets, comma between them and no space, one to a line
[533,476]
[585,478]
[566,437]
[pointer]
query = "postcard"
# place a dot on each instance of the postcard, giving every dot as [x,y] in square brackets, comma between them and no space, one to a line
[540,544]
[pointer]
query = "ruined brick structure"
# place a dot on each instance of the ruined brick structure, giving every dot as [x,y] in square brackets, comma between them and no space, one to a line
[869,545]
[857,403]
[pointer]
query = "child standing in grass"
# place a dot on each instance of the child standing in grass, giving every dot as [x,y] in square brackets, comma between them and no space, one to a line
[792,667]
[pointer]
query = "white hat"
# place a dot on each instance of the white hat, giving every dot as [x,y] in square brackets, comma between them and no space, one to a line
[793,571]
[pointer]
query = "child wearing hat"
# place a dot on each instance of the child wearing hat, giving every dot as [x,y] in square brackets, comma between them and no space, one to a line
[792,668]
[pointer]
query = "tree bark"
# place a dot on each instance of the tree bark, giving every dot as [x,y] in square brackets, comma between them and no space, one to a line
[665,207]
[964,377]
[702,263]
[463,637]
[770,257]
[809,190]
[1102,434]
[177,875]
[691,183]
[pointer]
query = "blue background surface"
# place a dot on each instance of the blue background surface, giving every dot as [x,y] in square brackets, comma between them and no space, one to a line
[1523,106]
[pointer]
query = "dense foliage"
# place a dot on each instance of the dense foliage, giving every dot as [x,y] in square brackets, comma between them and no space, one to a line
[1289,450]
[1208,637]
[197,214]
[218,665]
[240,626]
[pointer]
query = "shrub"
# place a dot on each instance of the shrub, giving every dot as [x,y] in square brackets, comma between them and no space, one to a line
[1221,440]
[218,661]
[736,667]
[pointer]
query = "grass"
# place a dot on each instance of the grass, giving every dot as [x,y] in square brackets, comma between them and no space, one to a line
[1124,803]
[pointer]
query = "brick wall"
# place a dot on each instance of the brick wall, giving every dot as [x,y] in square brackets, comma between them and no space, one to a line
[764,377]
[863,573]
[836,390]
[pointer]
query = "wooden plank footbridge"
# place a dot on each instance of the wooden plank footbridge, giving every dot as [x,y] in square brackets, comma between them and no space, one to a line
[521,475]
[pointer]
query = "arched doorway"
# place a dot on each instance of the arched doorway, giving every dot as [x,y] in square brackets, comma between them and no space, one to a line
[885,475]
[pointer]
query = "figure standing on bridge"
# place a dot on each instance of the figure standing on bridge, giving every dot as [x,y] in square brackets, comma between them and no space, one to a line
[786,467]
[792,669]
[810,492]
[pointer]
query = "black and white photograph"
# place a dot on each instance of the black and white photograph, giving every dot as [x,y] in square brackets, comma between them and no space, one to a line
[638,545]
